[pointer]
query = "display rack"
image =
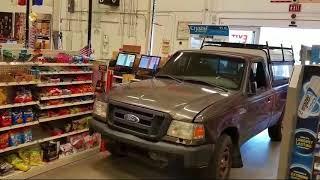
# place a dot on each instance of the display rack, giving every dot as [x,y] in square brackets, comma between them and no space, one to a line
[78,103]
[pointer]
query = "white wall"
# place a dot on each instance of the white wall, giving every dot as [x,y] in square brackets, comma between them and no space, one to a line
[126,25]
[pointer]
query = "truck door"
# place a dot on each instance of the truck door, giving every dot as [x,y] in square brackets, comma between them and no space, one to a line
[259,104]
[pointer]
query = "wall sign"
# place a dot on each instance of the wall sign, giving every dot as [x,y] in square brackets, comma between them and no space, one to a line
[295,7]
[305,161]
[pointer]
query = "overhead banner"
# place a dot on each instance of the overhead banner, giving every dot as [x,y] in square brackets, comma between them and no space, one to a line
[305,161]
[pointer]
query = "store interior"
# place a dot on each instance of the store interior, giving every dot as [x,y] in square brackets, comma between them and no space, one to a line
[71,70]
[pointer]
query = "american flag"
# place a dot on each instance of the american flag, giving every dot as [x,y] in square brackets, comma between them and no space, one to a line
[86,51]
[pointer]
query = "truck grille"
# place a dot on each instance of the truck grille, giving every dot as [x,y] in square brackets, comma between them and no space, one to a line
[152,125]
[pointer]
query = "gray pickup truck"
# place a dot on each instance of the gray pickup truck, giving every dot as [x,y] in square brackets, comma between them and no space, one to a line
[200,108]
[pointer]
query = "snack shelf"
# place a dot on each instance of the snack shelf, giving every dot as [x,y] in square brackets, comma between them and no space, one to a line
[36,170]
[63,117]
[19,146]
[18,64]
[66,105]
[19,126]
[65,72]
[65,96]
[65,64]
[22,83]
[63,83]
[19,105]
[63,135]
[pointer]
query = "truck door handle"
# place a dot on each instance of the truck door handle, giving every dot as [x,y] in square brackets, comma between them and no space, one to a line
[269,100]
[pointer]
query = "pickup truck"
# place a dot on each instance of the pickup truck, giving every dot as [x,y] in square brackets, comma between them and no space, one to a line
[200,107]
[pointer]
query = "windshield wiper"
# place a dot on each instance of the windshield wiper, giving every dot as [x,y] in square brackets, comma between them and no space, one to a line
[168,76]
[206,83]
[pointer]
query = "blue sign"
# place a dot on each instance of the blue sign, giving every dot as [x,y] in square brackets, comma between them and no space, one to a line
[209,30]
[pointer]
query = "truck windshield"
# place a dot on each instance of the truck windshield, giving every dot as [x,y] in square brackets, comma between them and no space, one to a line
[221,71]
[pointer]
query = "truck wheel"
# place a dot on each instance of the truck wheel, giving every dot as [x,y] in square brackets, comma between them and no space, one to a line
[275,132]
[116,150]
[221,161]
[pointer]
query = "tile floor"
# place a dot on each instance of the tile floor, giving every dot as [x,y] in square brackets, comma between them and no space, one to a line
[260,158]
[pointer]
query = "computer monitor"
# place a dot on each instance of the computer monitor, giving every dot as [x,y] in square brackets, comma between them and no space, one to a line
[125,60]
[149,62]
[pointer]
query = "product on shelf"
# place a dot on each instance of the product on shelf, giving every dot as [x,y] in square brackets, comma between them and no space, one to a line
[77,142]
[91,141]
[5,168]
[8,55]
[63,58]
[3,96]
[20,76]
[17,162]
[66,149]
[23,95]
[4,140]
[56,132]
[35,157]
[24,55]
[67,127]
[50,151]
[16,137]
[17,117]
[5,119]
[80,124]
[27,135]
[27,115]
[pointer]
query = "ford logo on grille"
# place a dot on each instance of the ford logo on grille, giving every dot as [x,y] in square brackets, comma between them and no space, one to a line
[131,118]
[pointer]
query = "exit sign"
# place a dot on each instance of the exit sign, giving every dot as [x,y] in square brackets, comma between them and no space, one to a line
[295,7]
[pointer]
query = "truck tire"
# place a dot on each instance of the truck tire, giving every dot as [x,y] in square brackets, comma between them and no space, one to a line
[221,160]
[275,132]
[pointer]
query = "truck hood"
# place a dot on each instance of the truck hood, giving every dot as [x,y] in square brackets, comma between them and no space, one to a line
[183,101]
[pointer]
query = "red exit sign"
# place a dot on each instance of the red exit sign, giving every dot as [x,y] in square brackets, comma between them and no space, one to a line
[295,7]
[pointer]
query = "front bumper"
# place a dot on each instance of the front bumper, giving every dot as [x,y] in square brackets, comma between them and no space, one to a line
[193,157]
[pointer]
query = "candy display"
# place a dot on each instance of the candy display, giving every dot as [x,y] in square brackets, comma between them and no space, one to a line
[64,58]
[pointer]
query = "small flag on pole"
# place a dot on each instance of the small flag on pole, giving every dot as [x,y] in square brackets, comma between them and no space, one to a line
[86,51]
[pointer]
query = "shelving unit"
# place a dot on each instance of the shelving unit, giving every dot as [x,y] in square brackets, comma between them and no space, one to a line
[78,109]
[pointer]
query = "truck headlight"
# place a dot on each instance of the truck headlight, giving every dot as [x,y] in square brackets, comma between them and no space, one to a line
[187,131]
[100,108]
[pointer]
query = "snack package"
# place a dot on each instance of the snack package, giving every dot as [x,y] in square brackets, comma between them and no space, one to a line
[50,151]
[15,138]
[17,117]
[77,142]
[66,149]
[80,124]
[28,116]
[5,168]
[3,96]
[17,163]
[67,127]
[5,119]
[35,157]
[4,140]
[24,155]
[27,135]
[23,95]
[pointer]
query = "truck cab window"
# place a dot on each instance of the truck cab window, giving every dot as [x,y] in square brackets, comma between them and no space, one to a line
[258,75]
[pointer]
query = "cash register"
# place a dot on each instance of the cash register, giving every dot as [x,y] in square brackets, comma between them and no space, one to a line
[124,64]
[148,66]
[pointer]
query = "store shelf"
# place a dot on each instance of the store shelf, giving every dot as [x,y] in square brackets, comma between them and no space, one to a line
[64,64]
[3,84]
[66,105]
[66,72]
[120,77]
[18,105]
[18,64]
[18,147]
[64,116]
[36,170]
[65,96]
[19,126]
[63,83]
[63,135]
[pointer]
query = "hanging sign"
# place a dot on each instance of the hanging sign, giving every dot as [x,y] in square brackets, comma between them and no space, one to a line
[295,7]
[305,161]
[215,32]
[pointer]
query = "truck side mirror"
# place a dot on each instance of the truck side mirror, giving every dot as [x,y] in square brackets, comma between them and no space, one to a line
[253,86]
